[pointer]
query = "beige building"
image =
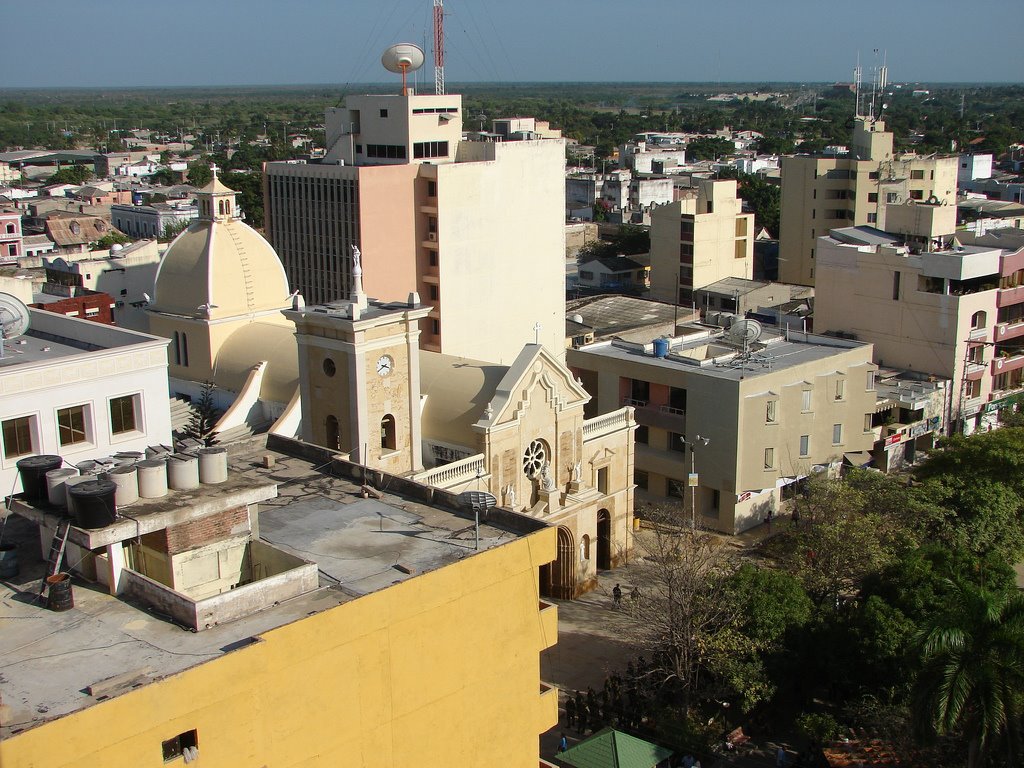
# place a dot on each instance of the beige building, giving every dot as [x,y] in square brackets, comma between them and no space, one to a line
[700,239]
[749,422]
[475,227]
[860,188]
[515,431]
[933,305]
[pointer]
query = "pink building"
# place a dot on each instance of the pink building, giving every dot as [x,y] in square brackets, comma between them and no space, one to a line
[10,235]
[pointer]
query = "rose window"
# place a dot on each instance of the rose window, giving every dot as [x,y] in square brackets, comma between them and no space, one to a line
[534,458]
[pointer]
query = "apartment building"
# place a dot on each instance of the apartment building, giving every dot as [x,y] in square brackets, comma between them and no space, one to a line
[474,227]
[726,430]
[699,239]
[935,305]
[858,188]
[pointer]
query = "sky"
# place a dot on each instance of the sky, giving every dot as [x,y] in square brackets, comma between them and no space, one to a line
[116,43]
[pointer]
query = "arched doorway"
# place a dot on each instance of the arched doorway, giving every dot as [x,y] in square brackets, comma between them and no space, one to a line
[333,433]
[563,572]
[604,540]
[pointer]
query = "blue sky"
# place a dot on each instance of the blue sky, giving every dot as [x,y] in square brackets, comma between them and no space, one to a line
[223,42]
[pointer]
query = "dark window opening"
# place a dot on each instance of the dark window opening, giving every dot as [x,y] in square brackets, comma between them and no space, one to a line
[176,747]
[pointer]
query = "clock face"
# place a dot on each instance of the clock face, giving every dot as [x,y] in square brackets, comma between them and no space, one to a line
[385,365]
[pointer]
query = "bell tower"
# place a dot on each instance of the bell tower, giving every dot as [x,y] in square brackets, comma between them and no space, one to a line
[359,378]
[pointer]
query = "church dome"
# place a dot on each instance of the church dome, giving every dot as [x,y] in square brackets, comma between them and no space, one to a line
[219,267]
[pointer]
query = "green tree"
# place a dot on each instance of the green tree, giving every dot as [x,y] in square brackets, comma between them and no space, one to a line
[111,238]
[71,174]
[172,229]
[199,173]
[709,148]
[972,678]
[202,422]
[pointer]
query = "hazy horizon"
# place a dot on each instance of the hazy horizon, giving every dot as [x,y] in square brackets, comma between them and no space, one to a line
[252,43]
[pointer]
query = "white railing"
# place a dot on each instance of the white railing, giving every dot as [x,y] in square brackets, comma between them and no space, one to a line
[454,473]
[610,422]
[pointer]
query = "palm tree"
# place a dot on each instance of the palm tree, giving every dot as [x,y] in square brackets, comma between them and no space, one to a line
[972,678]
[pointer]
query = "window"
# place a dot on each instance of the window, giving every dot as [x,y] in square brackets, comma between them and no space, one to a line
[686,229]
[184,744]
[840,389]
[868,418]
[716,499]
[432,290]
[431,189]
[17,437]
[917,175]
[330,368]
[978,320]
[874,175]
[872,218]
[71,425]
[586,274]
[741,227]
[891,197]
[871,380]
[602,480]
[805,400]
[973,389]
[805,445]
[917,194]
[435,327]
[642,435]
[359,149]
[122,414]
[686,253]
[422,149]
[675,442]
[388,151]
[976,354]
[333,431]
[388,435]
[584,548]
[740,251]
[639,391]
[677,399]
[640,479]
[872,197]
[534,458]
[10,229]
[837,434]
[771,411]
[769,458]
[383,113]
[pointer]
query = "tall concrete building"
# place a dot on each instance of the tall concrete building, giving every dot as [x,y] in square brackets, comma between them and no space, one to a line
[475,227]
[700,239]
[820,193]
[948,306]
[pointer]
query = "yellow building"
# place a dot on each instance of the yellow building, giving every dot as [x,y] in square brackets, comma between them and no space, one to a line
[415,649]
[820,193]
[699,240]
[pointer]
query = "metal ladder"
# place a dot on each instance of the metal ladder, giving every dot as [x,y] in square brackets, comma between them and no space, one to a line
[60,540]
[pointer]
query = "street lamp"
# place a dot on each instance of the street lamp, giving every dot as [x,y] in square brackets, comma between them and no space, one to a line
[692,479]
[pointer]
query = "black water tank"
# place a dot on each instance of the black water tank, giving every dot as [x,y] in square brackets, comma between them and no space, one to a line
[93,503]
[33,471]
[59,595]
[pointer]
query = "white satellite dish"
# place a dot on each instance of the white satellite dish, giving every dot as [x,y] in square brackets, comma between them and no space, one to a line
[402,58]
[13,319]
[745,332]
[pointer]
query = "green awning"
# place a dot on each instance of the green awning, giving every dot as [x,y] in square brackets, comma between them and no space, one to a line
[609,748]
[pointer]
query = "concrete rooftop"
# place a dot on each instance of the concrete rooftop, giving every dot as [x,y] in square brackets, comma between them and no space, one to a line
[48,659]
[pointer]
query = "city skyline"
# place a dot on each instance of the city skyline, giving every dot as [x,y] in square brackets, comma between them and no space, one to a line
[319,42]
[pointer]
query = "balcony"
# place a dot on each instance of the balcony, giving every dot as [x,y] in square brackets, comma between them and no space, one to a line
[978,334]
[975,370]
[548,707]
[454,474]
[1009,330]
[1007,297]
[1007,364]
[607,424]
[661,417]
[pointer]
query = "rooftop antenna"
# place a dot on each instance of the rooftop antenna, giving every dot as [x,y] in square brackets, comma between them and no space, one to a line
[856,85]
[14,319]
[439,47]
[403,58]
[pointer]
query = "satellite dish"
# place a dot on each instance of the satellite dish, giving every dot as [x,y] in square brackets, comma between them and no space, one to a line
[745,332]
[13,318]
[402,58]
[478,500]
[577,318]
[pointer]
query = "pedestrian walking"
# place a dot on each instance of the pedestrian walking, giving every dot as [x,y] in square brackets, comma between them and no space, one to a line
[617,595]
[634,594]
[780,758]
[570,712]
[768,520]
[563,743]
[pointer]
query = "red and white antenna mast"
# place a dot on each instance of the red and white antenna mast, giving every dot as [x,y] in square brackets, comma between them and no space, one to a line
[439,47]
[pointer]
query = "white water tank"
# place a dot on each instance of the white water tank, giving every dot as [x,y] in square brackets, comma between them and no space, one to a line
[213,465]
[56,491]
[127,481]
[183,472]
[152,474]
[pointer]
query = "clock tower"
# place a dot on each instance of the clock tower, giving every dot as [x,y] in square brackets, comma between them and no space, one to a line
[359,378]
